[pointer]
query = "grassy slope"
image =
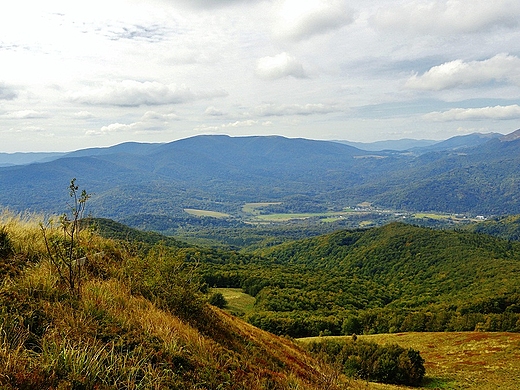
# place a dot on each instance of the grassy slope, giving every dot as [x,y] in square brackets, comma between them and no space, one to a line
[462,360]
[112,337]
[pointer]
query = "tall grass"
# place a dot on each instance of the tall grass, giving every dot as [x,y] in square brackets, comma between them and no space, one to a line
[139,323]
[24,233]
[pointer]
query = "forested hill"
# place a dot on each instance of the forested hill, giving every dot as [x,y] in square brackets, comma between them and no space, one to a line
[507,227]
[393,278]
[221,173]
[412,259]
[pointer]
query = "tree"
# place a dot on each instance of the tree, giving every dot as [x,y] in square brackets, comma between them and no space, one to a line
[63,244]
[218,300]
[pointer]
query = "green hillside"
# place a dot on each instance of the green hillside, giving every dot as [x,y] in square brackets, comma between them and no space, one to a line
[394,278]
[507,227]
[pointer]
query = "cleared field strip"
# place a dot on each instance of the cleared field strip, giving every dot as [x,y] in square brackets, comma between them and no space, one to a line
[238,301]
[206,213]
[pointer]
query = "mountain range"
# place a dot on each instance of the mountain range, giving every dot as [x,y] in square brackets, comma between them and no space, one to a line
[475,174]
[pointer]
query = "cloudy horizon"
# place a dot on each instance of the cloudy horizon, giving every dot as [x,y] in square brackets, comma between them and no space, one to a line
[80,75]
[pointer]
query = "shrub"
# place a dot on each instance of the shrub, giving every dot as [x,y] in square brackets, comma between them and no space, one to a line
[366,360]
[63,244]
[6,248]
[165,277]
[218,300]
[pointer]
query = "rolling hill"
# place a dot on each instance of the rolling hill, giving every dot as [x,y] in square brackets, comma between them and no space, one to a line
[477,175]
[393,278]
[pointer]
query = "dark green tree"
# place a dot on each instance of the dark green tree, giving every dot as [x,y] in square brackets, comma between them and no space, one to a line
[218,300]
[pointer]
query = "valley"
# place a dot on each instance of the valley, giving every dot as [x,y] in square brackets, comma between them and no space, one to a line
[417,247]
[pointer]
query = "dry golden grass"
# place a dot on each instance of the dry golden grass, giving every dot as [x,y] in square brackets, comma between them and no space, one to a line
[24,232]
[109,335]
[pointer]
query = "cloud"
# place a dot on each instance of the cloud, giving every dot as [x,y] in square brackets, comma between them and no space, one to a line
[7,92]
[440,17]
[213,111]
[26,114]
[500,68]
[112,128]
[150,121]
[302,19]
[212,4]
[151,33]
[462,114]
[293,109]
[131,93]
[236,124]
[279,66]
[83,115]
[155,116]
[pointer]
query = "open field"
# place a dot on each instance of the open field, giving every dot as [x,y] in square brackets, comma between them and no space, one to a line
[206,213]
[462,360]
[440,216]
[252,208]
[288,216]
[238,302]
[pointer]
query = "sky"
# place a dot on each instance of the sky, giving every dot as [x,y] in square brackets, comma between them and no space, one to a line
[98,73]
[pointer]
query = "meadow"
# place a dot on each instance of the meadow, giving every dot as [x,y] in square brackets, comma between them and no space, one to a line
[459,360]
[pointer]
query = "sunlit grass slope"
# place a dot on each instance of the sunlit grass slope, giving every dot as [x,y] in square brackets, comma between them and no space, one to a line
[459,360]
[138,321]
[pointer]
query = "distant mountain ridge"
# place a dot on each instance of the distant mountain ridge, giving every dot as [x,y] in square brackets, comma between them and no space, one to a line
[399,145]
[9,159]
[140,148]
[476,173]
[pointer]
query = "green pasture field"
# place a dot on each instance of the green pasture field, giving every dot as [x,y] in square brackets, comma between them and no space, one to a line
[460,360]
[324,217]
[206,213]
[252,208]
[440,217]
[288,217]
[238,302]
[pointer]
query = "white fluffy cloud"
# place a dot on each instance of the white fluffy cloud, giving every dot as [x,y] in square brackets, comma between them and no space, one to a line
[26,114]
[156,116]
[158,70]
[449,16]
[213,111]
[301,19]
[281,65]
[500,68]
[83,115]
[463,114]
[133,93]
[292,109]
[112,128]
[229,125]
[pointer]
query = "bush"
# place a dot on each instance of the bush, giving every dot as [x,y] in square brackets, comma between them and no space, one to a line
[387,364]
[218,300]
[165,277]
[6,248]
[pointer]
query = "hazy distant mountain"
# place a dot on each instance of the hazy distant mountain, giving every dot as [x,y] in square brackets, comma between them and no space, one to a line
[127,147]
[221,173]
[8,159]
[399,145]
[462,141]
